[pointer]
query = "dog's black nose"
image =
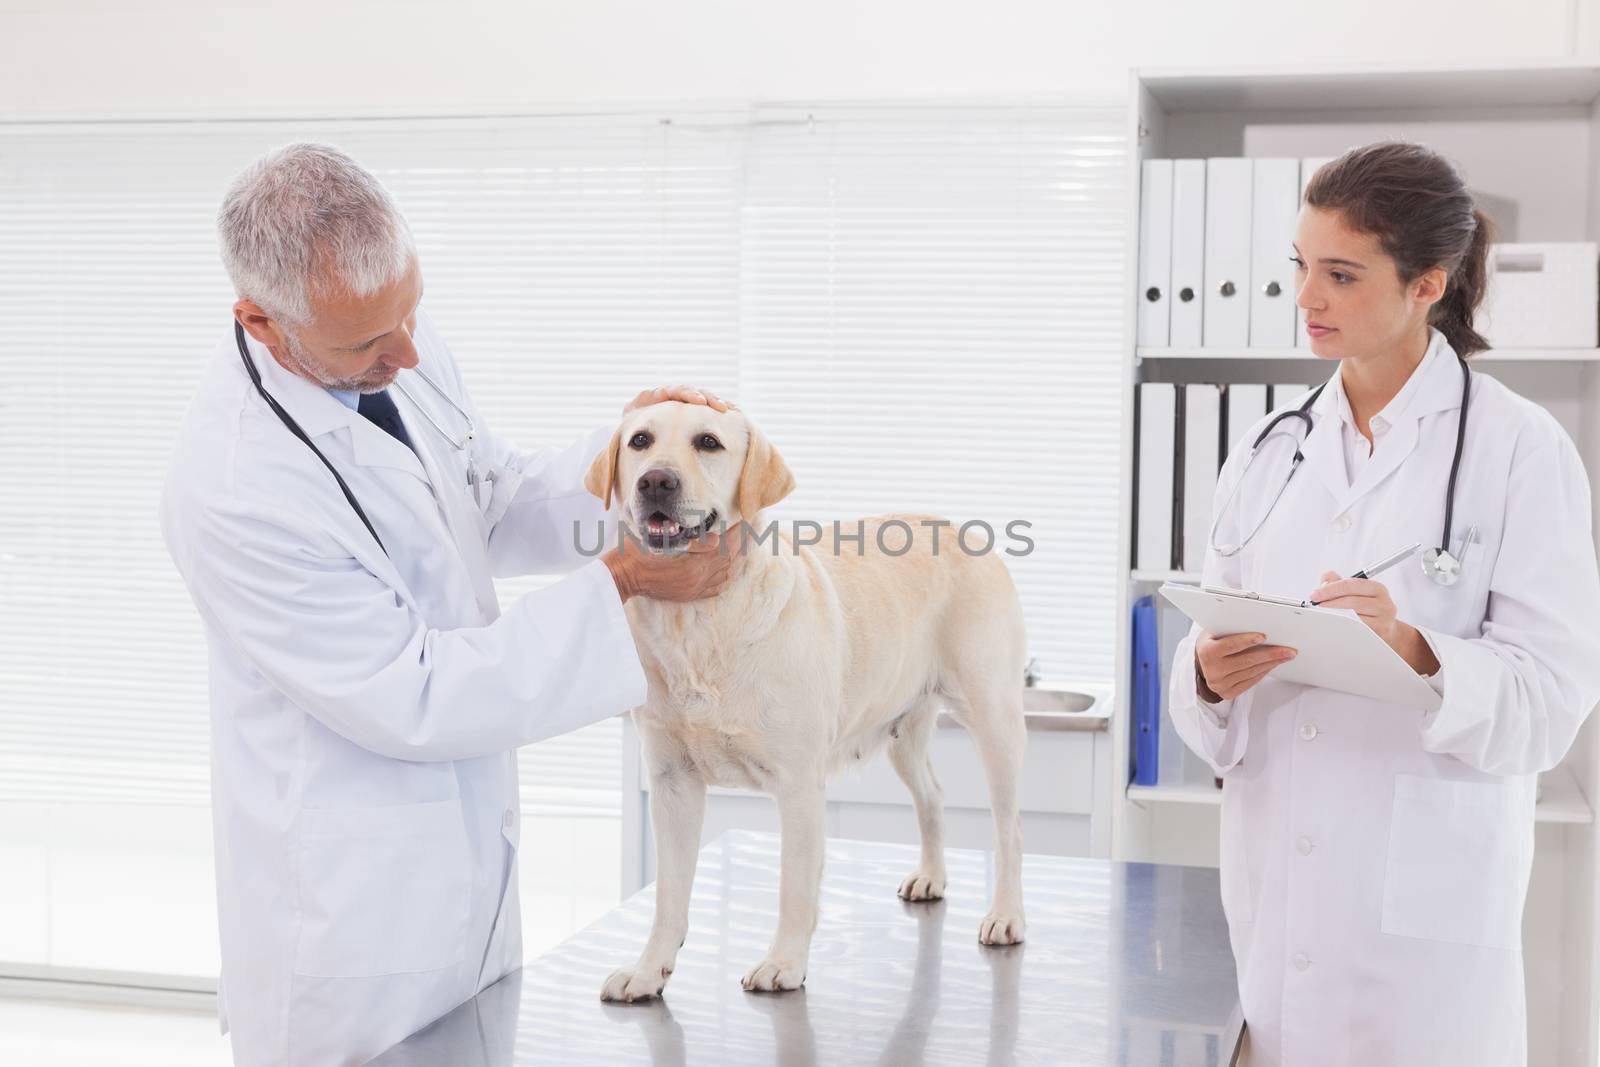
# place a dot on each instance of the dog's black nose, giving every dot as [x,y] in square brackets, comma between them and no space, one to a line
[657,484]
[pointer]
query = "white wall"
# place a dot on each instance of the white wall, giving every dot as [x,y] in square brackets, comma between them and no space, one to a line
[66,58]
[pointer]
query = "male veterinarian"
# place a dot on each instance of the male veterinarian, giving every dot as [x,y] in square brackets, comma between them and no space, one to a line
[338,510]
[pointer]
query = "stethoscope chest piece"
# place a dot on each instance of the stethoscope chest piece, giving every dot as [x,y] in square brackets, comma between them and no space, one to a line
[1440,566]
[1444,567]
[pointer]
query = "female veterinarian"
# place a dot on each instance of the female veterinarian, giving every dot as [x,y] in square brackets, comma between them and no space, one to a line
[1375,857]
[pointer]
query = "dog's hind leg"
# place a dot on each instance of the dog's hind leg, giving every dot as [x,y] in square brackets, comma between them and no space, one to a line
[677,809]
[908,752]
[993,716]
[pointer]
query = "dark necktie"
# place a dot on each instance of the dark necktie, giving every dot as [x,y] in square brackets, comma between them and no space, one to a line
[378,408]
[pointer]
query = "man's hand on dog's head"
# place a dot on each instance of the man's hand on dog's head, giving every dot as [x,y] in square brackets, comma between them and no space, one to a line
[686,394]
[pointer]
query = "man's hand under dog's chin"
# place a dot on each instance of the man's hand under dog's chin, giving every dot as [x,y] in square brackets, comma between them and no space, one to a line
[698,570]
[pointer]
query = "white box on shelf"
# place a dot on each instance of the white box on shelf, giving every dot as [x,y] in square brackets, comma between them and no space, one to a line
[1542,295]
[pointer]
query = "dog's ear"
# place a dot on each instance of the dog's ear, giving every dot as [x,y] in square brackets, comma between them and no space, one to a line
[765,478]
[602,477]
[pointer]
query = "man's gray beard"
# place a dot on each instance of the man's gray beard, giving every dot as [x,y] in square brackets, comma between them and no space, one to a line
[373,380]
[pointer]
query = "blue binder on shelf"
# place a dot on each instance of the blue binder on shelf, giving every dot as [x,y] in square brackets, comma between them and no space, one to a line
[1145,737]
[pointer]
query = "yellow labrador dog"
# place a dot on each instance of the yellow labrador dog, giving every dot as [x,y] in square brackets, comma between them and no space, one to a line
[810,660]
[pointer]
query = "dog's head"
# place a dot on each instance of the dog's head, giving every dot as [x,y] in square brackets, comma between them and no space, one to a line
[680,470]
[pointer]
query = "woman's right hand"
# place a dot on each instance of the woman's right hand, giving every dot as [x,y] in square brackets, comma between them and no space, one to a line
[1227,666]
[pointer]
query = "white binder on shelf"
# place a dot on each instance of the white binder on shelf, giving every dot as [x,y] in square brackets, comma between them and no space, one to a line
[1275,192]
[1172,626]
[1308,167]
[1202,459]
[1155,251]
[1188,252]
[1227,285]
[1288,394]
[1156,459]
[1247,405]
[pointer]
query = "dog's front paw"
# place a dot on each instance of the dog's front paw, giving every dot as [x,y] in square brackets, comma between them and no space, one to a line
[775,976]
[923,885]
[1001,927]
[629,985]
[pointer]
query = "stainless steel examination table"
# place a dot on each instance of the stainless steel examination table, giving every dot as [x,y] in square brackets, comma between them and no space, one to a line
[1124,963]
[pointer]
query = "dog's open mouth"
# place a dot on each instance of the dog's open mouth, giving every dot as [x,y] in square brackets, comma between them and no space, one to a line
[662,531]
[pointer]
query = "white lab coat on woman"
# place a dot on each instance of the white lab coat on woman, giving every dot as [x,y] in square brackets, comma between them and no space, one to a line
[365,707]
[1374,857]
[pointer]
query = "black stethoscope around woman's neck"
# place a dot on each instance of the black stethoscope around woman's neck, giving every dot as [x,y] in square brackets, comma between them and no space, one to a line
[1439,564]
[474,483]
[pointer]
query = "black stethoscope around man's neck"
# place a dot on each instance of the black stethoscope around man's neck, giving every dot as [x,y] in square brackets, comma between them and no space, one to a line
[1439,564]
[294,428]
[476,482]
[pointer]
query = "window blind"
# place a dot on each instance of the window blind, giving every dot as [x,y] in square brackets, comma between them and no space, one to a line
[931,322]
[920,305]
[569,262]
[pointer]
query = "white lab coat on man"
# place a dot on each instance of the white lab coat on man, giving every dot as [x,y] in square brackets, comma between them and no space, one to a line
[1374,857]
[366,706]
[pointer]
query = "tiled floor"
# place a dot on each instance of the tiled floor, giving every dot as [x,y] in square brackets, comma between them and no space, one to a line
[569,872]
[95,903]
[42,1033]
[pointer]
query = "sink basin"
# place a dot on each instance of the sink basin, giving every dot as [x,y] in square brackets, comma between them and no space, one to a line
[1068,701]
[1060,707]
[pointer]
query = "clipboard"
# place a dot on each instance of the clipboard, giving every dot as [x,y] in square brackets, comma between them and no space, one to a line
[1336,649]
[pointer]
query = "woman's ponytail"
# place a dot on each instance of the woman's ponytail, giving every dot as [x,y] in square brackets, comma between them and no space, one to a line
[1452,315]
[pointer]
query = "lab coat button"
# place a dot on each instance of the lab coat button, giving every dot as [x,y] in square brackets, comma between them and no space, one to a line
[1308,731]
[1305,845]
[510,819]
[1378,424]
[1302,962]
[1342,523]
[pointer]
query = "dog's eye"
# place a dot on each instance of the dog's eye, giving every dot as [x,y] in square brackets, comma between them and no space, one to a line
[707,443]
[639,440]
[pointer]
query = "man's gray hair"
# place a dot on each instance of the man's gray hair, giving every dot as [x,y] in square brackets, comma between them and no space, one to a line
[306,220]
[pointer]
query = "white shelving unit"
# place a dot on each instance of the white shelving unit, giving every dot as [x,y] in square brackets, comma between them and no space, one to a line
[1528,140]
[1509,355]
[1157,577]
[1561,800]
[1181,793]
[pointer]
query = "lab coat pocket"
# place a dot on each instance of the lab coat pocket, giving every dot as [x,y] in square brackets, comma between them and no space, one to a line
[381,890]
[1459,854]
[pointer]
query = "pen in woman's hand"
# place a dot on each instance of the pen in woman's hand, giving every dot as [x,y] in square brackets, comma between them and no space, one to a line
[1388,561]
[1383,564]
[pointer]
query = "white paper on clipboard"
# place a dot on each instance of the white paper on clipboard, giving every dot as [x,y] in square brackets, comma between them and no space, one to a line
[1336,649]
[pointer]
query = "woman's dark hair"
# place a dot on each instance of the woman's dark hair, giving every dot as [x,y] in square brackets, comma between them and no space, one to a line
[1414,202]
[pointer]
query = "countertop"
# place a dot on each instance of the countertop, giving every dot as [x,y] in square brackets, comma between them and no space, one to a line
[1124,963]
